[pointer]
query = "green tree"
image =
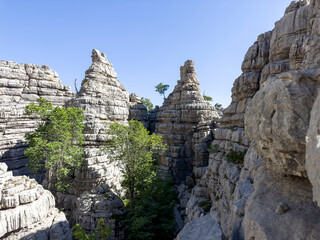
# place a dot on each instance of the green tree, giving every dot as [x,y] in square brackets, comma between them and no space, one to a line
[149,200]
[218,106]
[207,98]
[100,232]
[134,149]
[162,88]
[147,102]
[56,144]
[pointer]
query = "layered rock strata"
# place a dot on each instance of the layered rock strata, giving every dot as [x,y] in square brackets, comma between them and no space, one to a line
[103,100]
[185,121]
[138,111]
[27,211]
[20,85]
[273,106]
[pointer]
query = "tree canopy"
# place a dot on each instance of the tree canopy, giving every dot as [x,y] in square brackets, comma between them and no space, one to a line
[56,144]
[162,88]
[147,102]
[149,200]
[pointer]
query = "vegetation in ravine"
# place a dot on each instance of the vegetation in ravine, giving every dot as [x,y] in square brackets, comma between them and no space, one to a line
[56,144]
[234,156]
[149,200]
[147,102]
[101,232]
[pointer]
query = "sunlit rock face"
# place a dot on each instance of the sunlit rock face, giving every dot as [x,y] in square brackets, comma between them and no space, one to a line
[27,211]
[104,100]
[274,113]
[185,121]
[20,85]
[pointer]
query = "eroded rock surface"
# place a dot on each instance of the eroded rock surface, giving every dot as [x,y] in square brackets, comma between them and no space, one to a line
[20,85]
[204,228]
[28,211]
[185,121]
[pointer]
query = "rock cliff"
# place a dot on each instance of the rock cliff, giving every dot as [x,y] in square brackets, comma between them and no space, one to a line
[20,85]
[274,114]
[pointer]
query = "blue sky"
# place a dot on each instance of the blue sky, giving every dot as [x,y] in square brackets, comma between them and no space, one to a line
[145,40]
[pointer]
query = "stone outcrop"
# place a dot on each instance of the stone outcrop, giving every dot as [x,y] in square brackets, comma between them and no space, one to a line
[274,105]
[204,228]
[185,121]
[27,211]
[20,85]
[313,150]
[138,111]
[103,100]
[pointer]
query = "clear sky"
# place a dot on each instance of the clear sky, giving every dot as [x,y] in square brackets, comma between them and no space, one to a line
[145,40]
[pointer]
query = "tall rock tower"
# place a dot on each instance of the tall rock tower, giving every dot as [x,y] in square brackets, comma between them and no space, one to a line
[185,121]
[103,99]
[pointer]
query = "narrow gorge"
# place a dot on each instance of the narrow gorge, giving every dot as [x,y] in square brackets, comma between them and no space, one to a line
[252,172]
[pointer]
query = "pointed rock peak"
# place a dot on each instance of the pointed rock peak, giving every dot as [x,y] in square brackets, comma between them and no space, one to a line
[100,65]
[98,56]
[188,72]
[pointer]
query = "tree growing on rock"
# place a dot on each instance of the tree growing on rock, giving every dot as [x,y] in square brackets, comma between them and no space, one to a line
[162,88]
[149,200]
[147,102]
[56,144]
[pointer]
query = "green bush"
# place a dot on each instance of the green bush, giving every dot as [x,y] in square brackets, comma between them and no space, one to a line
[56,144]
[149,200]
[205,205]
[236,157]
[100,232]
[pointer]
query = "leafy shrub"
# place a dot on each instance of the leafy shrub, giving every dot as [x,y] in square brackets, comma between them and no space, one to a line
[100,232]
[236,157]
[149,200]
[56,144]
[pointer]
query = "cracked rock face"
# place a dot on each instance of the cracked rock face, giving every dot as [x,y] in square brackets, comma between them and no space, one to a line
[103,99]
[277,119]
[28,211]
[20,85]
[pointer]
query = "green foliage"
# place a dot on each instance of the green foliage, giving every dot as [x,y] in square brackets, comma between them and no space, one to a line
[149,201]
[151,216]
[100,232]
[147,102]
[162,88]
[218,106]
[56,144]
[205,205]
[133,149]
[236,157]
[207,98]
[214,148]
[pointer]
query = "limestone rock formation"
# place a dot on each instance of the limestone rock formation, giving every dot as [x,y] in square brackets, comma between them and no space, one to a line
[138,111]
[103,99]
[28,211]
[185,122]
[204,228]
[299,221]
[313,150]
[20,85]
[269,115]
